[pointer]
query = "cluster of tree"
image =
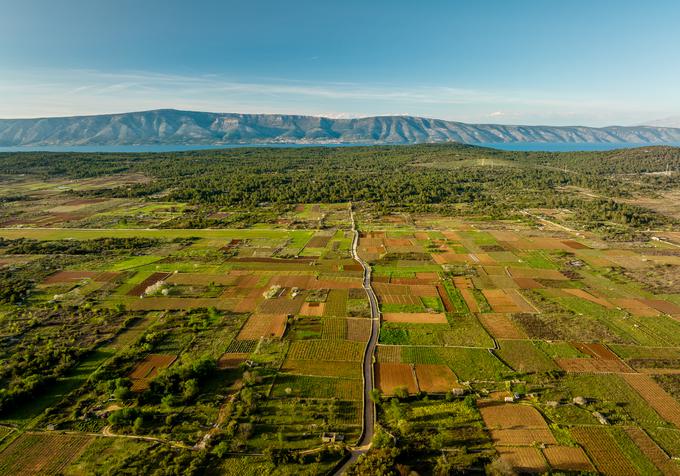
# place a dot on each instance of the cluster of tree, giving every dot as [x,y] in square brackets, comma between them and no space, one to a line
[14,289]
[181,383]
[36,358]
[130,245]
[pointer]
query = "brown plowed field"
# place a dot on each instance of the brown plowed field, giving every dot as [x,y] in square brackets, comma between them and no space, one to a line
[141,287]
[511,415]
[263,325]
[147,369]
[663,306]
[69,276]
[423,290]
[575,245]
[501,326]
[522,436]
[248,304]
[312,309]
[201,279]
[598,351]
[469,299]
[435,378]
[415,317]
[527,283]
[231,360]
[525,460]
[446,300]
[403,299]
[506,301]
[567,458]
[390,377]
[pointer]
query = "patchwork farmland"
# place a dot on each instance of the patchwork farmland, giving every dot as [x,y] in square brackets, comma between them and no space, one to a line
[502,344]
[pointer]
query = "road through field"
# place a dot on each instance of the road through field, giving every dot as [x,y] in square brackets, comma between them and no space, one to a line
[369,407]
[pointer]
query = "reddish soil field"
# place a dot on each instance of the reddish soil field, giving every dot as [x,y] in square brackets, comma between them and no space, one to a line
[663,306]
[147,369]
[524,460]
[201,279]
[352,267]
[415,317]
[446,301]
[575,245]
[462,283]
[527,283]
[522,436]
[404,299]
[248,304]
[511,415]
[567,458]
[70,276]
[598,351]
[263,325]
[504,301]
[435,378]
[469,299]
[390,377]
[501,326]
[231,360]
[423,290]
[153,279]
[312,309]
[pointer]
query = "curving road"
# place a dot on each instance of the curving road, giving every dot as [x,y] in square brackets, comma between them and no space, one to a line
[369,407]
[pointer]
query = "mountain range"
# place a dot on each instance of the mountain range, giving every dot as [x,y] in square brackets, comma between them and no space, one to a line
[170,126]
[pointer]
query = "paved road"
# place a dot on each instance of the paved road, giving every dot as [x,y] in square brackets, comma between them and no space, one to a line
[369,406]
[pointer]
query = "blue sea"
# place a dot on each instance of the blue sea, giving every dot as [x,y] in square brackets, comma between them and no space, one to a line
[515,146]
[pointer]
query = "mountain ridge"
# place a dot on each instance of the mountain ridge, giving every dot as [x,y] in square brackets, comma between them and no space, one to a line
[172,126]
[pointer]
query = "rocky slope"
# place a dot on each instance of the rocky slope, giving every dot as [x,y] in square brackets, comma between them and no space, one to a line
[169,126]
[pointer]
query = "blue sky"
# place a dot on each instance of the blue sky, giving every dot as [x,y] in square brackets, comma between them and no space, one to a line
[524,61]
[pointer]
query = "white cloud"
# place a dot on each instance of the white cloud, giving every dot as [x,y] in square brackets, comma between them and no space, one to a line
[72,92]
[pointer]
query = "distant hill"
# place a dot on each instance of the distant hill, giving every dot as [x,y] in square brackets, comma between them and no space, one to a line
[169,126]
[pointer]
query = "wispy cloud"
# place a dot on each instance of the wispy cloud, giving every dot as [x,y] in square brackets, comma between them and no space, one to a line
[70,92]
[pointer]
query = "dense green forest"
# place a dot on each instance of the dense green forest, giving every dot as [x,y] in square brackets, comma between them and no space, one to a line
[417,178]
